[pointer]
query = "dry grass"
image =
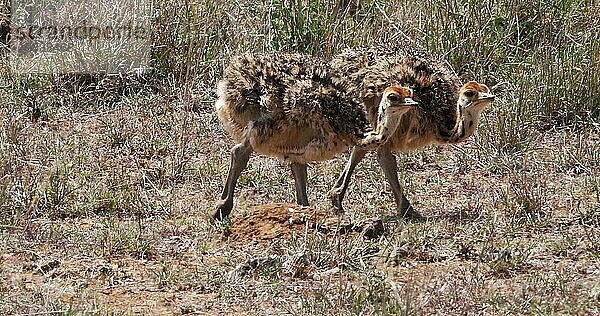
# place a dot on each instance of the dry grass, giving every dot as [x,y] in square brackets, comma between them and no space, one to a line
[106,191]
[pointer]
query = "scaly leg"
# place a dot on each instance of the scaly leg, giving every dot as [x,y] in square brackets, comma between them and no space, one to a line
[336,194]
[300,177]
[387,161]
[240,154]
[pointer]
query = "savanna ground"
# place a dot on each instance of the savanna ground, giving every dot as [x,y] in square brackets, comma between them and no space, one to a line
[106,187]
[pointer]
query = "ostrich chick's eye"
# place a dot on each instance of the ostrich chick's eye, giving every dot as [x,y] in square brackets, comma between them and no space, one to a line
[469,94]
[393,97]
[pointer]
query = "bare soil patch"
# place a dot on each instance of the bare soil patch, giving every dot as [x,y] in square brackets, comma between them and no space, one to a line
[284,220]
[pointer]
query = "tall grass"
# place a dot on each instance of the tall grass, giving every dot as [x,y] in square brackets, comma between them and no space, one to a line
[193,39]
[542,57]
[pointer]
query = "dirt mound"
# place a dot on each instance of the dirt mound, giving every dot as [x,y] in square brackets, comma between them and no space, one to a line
[282,220]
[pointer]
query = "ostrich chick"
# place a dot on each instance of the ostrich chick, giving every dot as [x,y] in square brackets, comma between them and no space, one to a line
[446,112]
[473,99]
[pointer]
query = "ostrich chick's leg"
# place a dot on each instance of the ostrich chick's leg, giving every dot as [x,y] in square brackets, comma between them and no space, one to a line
[240,154]
[300,176]
[336,194]
[387,161]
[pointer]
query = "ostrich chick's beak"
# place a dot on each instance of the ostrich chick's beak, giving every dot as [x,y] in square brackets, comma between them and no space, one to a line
[483,96]
[483,100]
[409,102]
[405,102]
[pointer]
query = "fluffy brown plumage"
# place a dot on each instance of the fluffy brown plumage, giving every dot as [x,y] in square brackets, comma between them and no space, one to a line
[293,117]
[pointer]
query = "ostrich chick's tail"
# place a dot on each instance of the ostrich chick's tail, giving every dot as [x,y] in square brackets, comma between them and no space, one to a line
[240,92]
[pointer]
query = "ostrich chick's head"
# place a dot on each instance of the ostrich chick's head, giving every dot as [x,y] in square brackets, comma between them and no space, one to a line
[397,100]
[474,94]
